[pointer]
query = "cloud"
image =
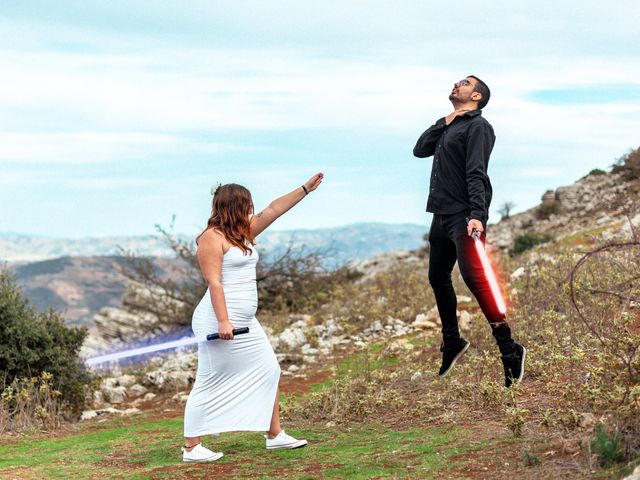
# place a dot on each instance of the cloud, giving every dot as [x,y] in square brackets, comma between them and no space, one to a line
[82,148]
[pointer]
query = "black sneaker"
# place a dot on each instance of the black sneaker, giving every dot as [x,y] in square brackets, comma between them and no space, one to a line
[514,366]
[450,354]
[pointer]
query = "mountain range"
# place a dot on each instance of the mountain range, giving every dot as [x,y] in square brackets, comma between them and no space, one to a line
[80,276]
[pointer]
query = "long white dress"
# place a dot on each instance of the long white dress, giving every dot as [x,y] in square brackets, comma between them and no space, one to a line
[236,382]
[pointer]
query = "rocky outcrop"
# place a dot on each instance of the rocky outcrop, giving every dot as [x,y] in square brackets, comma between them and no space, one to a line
[384,262]
[595,202]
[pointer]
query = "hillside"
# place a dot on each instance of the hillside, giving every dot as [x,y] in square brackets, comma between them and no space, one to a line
[359,370]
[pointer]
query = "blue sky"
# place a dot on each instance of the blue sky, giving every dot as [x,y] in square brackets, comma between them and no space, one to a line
[116,115]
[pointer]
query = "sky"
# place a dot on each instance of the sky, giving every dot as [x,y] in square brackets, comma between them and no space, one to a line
[117,115]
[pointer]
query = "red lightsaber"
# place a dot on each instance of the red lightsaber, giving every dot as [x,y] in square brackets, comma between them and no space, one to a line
[489,273]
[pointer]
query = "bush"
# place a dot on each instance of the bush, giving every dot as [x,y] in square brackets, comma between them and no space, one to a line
[30,402]
[527,241]
[629,165]
[607,446]
[544,211]
[35,342]
[596,171]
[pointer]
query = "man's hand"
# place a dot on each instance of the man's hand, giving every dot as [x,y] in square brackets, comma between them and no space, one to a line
[225,330]
[456,113]
[474,225]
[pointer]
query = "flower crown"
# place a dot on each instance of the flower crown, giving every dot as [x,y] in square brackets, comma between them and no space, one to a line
[215,188]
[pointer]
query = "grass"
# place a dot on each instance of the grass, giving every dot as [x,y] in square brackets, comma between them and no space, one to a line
[143,448]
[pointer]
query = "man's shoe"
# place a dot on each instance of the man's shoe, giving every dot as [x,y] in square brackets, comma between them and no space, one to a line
[514,366]
[200,454]
[282,440]
[450,354]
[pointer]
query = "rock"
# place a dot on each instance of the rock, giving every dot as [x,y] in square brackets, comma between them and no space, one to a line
[167,380]
[180,397]
[372,266]
[88,415]
[423,321]
[464,321]
[308,350]
[416,376]
[376,326]
[635,475]
[399,345]
[293,368]
[293,337]
[131,411]
[136,390]
[115,394]
[98,399]
[149,396]
[126,380]
[517,273]
[463,299]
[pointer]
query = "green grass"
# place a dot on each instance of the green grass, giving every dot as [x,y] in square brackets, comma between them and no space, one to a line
[356,364]
[135,448]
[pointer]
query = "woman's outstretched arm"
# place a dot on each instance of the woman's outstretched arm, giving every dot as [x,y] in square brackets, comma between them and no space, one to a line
[261,220]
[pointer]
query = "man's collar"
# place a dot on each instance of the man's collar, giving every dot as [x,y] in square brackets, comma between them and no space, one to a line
[473,113]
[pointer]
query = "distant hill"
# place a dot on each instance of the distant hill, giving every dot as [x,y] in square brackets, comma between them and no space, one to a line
[79,277]
[350,242]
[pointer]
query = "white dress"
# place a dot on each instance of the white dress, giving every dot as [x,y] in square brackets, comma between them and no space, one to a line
[236,382]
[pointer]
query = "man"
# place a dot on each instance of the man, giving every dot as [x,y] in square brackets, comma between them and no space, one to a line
[459,198]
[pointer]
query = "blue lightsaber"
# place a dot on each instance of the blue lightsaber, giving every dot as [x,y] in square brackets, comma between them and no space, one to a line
[134,352]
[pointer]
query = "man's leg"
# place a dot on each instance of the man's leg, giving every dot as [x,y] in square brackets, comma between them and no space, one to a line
[513,355]
[475,278]
[442,258]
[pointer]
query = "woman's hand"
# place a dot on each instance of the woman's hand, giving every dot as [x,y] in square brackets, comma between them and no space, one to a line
[314,182]
[225,330]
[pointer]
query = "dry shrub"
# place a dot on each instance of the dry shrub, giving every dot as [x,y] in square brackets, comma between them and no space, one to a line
[629,165]
[29,403]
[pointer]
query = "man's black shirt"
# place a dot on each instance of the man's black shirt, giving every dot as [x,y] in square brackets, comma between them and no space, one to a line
[459,180]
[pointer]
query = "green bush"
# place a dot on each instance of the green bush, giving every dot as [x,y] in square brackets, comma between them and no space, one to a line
[527,241]
[34,342]
[596,171]
[607,446]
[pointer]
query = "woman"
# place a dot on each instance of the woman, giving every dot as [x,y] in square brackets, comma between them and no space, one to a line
[236,385]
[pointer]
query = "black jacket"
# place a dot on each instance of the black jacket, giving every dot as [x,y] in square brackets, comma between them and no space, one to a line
[461,150]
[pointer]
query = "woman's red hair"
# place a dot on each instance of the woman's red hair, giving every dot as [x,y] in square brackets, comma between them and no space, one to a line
[230,211]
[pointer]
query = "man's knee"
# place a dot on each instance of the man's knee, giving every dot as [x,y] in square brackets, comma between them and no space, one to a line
[439,279]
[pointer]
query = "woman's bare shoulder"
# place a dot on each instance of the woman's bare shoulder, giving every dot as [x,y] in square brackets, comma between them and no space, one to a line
[212,239]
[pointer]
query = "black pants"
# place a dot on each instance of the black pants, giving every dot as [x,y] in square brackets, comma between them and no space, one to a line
[449,242]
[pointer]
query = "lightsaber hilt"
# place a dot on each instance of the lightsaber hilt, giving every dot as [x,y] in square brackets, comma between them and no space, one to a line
[236,331]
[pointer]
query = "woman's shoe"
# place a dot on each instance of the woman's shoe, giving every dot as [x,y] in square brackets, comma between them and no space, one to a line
[282,440]
[200,454]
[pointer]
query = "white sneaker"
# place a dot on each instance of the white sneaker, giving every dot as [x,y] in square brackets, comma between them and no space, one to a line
[282,440]
[200,454]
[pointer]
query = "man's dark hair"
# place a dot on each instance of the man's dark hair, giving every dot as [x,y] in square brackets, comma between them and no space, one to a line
[483,90]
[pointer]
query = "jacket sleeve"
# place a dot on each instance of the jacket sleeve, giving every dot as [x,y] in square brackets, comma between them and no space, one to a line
[480,142]
[426,145]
